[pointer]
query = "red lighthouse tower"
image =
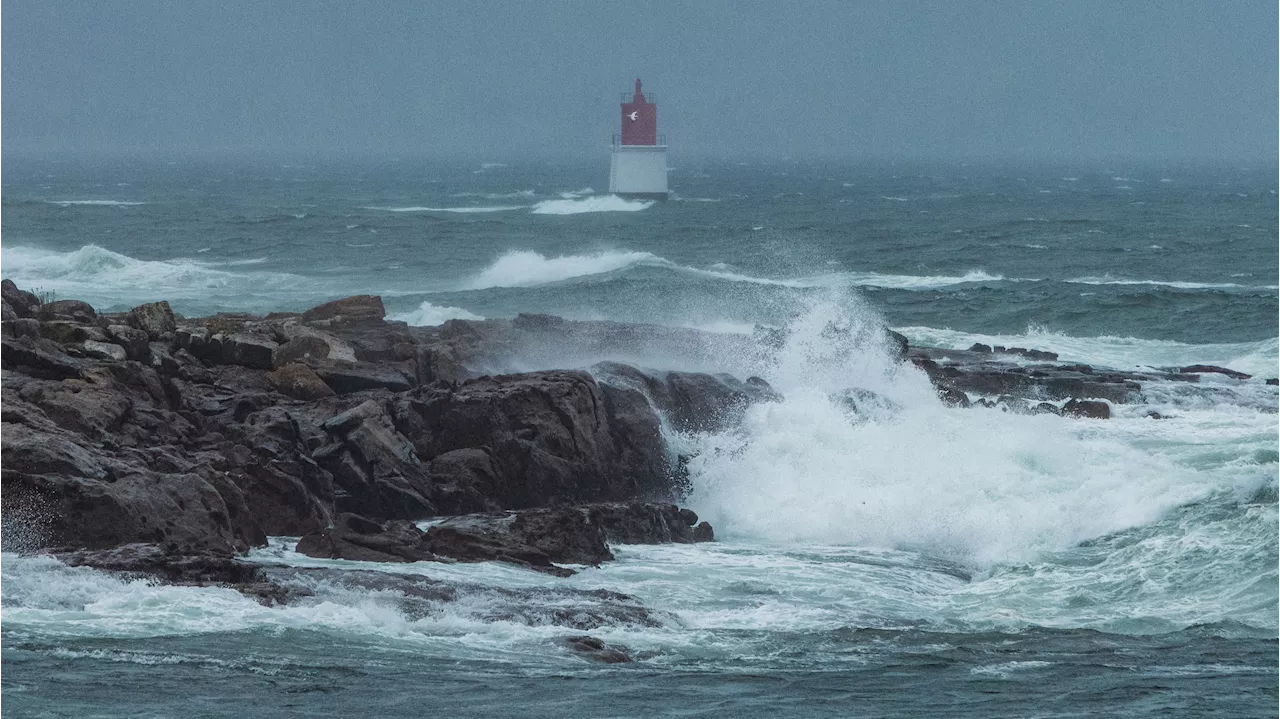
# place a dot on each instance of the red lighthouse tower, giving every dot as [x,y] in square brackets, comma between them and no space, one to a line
[639,165]
[639,120]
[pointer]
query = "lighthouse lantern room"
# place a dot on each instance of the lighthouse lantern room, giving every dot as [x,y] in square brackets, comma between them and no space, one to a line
[638,169]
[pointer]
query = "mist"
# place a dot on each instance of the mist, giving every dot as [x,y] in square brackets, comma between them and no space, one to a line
[1056,81]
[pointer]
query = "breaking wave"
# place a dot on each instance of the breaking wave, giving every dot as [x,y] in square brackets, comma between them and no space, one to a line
[467,209]
[575,205]
[95,203]
[429,315]
[525,268]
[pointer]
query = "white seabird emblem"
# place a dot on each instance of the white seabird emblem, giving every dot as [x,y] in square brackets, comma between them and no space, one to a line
[633,115]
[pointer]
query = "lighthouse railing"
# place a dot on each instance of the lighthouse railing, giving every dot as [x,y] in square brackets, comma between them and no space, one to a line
[648,98]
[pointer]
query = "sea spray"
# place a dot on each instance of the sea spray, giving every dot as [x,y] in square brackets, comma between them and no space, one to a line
[976,486]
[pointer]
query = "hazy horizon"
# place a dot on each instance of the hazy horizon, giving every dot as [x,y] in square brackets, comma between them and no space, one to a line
[1137,82]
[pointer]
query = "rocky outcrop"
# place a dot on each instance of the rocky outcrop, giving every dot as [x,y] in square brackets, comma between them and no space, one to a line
[535,538]
[690,401]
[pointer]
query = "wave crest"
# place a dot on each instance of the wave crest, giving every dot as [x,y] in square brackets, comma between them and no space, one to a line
[574,205]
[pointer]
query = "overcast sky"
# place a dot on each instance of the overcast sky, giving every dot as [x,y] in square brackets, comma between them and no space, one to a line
[1160,80]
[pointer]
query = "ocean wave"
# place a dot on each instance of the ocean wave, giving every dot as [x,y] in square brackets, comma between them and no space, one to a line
[1109,280]
[469,208]
[429,315]
[98,275]
[982,488]
[94,203]
[496,195]
[574,205]
[526,268]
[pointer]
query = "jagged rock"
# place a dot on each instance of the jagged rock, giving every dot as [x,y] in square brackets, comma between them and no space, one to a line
[68,332]
[357,538]
[438,363]
[243,349]
[154,318]
[135,342]
[301,348]
[104,350]
[691,401]
[649,523]
[348,310]
[24,304]
[1090,409]
[300,382]
[898,343]
[38,359]
[1273,381]
[74,310]
[376,471]
[346,379]
[552,437]
[979,347]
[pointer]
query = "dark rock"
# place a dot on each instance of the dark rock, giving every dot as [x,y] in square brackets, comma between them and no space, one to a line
[865,404]
[898,343]
[704,533]
[24,304]
[376,471]
[301,348]
[979,347]
[245,350]
[66,332]
[1213,369]
[345,378]
[28,356]
[357,538]
[135,342]
[552,437]
[691,401]
[1046,408]
[1090,409]
[74,310]
[170,562]
[300,382]
[154,318]
[1152,414]
[590,647]
[648,523]
[1273,381]
[104,350]
[349,310]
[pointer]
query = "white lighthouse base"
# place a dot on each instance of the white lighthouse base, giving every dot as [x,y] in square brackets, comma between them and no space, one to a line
[639,172]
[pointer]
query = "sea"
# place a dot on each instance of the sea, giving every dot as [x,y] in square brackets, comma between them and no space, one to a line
[923,561]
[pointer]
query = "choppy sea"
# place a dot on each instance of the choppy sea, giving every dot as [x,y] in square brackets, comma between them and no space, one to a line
[929,562]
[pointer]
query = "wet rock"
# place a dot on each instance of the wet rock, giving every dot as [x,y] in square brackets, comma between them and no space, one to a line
[1089,409]
[66,332]
[979,347]
[691,401]
[170,562]
[357,538]
[1213,369]
[553,437]
[73,310]
[376,471]
[348,310]
[953,397]
[1273,381]
[300,382]
[598,650]
[648,523]
[898,344]
[154,318]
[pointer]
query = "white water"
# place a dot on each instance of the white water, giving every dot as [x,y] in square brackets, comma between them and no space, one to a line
[465,209]
[572,204]
[525,268]
[429,315]
[1260,359]
[102,277]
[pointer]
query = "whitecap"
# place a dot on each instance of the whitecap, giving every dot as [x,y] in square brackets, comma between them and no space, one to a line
[578,205]
[419,208]
[429,315]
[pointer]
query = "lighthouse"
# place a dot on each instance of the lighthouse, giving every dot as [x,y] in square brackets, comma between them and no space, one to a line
[638,169]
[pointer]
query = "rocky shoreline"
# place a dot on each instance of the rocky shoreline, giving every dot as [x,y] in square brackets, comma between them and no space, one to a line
[151,443]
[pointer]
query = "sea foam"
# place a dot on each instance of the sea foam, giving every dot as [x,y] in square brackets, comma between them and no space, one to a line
[575,205]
